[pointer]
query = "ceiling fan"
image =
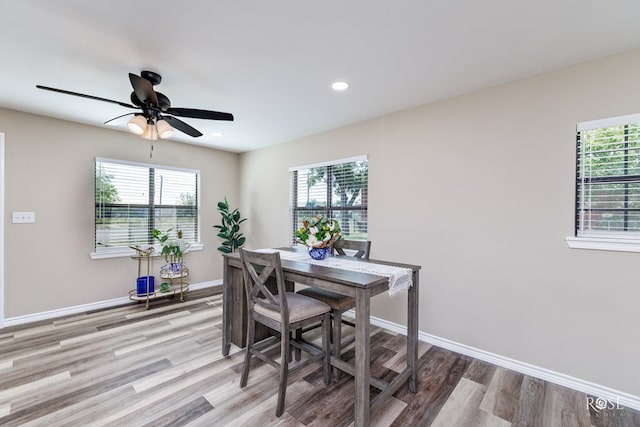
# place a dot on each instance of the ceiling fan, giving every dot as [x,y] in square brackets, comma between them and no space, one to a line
[156,118]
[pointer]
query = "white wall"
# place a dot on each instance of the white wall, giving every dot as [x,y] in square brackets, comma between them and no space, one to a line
[49,170]
[479,190]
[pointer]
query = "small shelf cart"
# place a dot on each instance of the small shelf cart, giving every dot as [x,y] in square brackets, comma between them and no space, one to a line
[176,282]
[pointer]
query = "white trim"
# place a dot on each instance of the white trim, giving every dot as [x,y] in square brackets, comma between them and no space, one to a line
[28,318]
[331,162]
[1,230]
[624,399]
[121,252]
[608,122]
[146,165]
[603,244]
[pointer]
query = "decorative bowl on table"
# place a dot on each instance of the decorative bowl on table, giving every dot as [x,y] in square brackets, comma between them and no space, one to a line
[319,253]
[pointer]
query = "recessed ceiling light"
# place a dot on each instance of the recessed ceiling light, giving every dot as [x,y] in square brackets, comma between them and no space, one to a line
[340,86]
[217,134]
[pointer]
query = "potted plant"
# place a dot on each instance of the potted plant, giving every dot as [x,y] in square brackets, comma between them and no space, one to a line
[229,229]
[172,250]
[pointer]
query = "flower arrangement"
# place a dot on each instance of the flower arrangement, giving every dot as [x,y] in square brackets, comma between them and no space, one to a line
[318,232]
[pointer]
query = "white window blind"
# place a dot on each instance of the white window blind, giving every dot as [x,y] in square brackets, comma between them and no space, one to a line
[133,199]
[608,178]
[338,190]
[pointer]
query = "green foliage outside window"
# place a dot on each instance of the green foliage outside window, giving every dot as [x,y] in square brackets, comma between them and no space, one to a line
[609,179]
[338,191]
[106,192]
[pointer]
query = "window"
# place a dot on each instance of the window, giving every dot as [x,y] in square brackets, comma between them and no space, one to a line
[132,199]
[608,178]
[337,190]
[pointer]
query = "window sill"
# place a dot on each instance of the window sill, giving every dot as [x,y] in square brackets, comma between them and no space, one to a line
[603,244]
[126,252]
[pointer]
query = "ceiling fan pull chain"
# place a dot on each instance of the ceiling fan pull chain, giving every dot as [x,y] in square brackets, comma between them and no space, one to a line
[151,149]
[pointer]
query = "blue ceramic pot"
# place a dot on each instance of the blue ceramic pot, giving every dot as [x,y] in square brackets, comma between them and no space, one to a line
[176,267]
[319,253]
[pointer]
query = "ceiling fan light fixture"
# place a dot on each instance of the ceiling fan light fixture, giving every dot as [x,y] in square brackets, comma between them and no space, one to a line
[151,132]
[137,125]
[149,122]
[164,129]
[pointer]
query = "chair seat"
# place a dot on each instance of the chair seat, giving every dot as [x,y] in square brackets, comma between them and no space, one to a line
[300,308]
[335,300]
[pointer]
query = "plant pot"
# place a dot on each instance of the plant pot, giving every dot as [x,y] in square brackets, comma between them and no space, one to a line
[144,285]
[319,253]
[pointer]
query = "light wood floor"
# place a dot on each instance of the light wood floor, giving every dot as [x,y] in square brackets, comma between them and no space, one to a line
[128,366]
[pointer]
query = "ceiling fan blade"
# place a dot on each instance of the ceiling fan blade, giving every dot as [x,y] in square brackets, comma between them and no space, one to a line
[97,98]
[143,89]
[116,118]
[182,126]
[200,114]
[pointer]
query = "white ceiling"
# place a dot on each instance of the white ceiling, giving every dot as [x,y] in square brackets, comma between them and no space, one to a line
[271,63]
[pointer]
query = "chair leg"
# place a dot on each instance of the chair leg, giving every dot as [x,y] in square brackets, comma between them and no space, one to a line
[326,347]
[284,371]
[290,349]
[336,344]
[251,330]
[298,338]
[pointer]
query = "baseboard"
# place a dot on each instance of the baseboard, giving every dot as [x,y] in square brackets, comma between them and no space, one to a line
[21,320]
[598,391]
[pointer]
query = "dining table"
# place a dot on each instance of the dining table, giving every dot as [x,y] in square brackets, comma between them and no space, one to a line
[367,279]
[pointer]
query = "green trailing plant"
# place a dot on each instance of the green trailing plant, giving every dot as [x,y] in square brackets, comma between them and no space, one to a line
[170,248]
[229,229]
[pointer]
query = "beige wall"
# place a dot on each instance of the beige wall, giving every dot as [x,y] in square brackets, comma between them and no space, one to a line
[479,190]
[49,170]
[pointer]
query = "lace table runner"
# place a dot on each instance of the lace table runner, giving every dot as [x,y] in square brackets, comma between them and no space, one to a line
[400,278]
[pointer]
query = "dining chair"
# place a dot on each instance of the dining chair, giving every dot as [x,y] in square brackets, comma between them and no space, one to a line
[339,303]
[361,248]
[283,312]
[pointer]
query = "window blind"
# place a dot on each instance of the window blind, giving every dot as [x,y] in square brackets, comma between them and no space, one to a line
[338,190]
[133,199]
[608,178]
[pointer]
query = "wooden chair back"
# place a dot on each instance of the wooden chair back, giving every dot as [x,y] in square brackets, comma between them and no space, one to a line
[260,268]
[362,247]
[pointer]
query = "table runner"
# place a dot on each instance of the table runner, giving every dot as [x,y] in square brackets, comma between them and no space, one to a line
[400,278]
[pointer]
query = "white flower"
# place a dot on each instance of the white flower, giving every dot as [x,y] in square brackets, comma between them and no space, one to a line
[313,230]
[311,241]
[326,237]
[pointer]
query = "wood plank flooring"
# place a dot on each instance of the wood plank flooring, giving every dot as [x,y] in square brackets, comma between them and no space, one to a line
[128,366]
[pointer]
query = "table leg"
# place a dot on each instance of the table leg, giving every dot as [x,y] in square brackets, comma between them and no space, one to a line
[227,307]
[412,332]
[363,357]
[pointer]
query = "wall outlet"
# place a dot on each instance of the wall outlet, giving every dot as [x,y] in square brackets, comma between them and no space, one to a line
[23,217]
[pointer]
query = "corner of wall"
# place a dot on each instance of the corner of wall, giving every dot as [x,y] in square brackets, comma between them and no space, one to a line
[2,157]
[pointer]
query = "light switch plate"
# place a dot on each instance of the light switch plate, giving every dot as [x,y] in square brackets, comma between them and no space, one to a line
[23,217]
